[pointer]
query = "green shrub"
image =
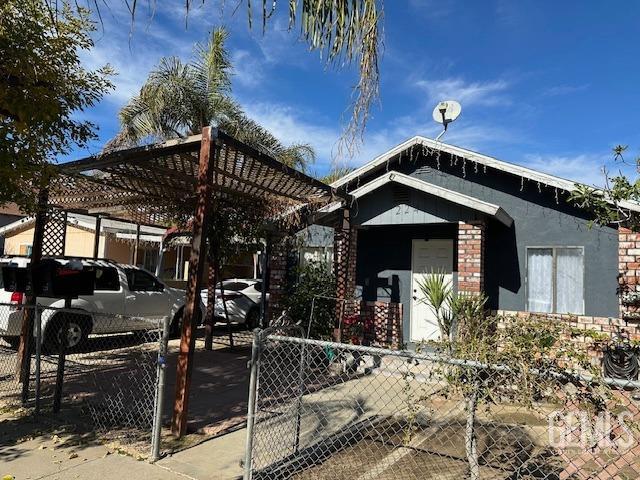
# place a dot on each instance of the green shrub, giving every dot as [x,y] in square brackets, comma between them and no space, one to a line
[313,281]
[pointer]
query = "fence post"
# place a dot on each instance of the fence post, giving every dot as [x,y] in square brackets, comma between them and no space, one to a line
[156,433]
[256,351]
[38,319]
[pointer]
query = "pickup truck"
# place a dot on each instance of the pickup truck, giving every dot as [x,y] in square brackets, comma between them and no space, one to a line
[126,299]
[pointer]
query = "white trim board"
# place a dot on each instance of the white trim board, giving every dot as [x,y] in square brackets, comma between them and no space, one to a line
[454,197]
[478,158]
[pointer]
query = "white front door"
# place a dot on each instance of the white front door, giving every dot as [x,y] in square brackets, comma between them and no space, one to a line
[427,257]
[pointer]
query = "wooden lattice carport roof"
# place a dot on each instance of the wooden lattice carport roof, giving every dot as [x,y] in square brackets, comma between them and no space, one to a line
[155,184]
[177,180]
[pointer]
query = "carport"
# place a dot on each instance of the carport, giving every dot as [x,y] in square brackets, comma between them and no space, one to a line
[177,183]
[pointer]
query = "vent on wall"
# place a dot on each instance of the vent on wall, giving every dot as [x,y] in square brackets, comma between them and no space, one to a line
[400,194]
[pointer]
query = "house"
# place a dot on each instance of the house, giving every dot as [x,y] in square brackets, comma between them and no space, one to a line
[117,239]
[489,226]
[8,214]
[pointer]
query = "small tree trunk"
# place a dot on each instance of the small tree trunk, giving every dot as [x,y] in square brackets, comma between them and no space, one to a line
[470,440]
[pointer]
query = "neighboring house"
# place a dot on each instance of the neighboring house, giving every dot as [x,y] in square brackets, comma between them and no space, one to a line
[316,245]
[8,214]
[489,226]
[117,239]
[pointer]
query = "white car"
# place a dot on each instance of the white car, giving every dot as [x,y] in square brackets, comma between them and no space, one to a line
[243,297]
[126,299]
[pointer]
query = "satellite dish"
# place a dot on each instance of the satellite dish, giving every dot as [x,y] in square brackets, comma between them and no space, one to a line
[446,112]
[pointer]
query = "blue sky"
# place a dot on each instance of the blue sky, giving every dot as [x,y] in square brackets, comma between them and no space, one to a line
[550,85]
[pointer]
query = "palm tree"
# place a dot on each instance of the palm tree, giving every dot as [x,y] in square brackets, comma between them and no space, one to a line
[179,99]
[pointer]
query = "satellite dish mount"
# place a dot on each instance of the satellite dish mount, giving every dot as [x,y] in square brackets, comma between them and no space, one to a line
[445,113]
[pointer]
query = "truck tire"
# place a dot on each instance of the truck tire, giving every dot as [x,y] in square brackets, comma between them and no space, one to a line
[253,318]
[78,329]
[175,329]
[14,342]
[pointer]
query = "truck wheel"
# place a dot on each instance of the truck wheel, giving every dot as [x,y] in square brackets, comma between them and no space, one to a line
[253,318]
[14,342]
[175,329]
[176,325]
[78,329]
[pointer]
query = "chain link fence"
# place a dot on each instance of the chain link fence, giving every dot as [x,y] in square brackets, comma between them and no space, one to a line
[324,410]
[102,371]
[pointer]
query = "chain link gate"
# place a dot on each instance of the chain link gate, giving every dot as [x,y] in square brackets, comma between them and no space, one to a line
[324,410]
[106,379]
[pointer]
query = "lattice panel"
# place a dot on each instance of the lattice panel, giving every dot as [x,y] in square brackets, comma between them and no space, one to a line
[55,232]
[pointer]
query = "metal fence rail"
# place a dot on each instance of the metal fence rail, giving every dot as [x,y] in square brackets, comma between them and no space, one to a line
[324,410]
[104,369]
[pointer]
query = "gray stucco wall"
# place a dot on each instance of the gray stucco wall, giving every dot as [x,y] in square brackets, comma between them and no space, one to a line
[384,262]
[539,220]
[402,205]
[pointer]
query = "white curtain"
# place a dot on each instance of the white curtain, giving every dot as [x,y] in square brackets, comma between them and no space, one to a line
[539,280]
[570,280]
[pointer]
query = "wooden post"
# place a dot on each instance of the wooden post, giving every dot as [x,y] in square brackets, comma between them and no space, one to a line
[196,268]
[265,282]
[137,245]
[23,366]
[96,237]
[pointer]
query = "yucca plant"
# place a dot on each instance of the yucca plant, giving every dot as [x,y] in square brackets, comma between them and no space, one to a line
[437,293]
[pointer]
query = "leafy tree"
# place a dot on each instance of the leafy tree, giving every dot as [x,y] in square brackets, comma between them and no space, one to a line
[336,174]
[610,204]
[179,99]
[43,87]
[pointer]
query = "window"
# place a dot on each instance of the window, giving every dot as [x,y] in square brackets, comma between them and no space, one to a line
[555,280]
[107,279]
[234,286]
[141,281]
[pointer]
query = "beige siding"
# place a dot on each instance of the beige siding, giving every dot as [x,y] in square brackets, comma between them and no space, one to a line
[79,243]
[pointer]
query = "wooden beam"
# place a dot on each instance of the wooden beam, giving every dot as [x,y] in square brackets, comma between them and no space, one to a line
[196,268]
[96,237]
[136,246]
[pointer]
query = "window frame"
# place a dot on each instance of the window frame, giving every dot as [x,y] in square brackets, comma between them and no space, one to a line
[554,270]
[157,282]
[105,268]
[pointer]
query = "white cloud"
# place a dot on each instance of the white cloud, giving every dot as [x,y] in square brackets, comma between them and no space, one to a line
[490,93]
[133,49]
[248,71]
[290,126]
[583,168]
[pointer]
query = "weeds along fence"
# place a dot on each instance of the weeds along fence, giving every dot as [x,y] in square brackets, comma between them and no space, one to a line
[103,371]
[324,410]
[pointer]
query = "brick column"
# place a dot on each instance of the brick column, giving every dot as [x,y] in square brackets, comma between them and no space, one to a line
[629,271]
[278,262]
[471,253]
[345,245]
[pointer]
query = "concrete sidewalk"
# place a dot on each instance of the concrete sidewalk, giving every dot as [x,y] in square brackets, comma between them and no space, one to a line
[53,457]
[218,458]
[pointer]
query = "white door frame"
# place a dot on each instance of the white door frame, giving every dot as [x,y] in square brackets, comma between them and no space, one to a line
[415,287]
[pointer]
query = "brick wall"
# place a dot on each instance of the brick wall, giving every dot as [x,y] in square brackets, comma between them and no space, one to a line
[603,325]
[471,253]
[277,276]
[629,276]
[345,247]
[376,323]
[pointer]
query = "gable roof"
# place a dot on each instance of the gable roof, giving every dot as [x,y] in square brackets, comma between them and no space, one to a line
[428,188]
[429,144]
